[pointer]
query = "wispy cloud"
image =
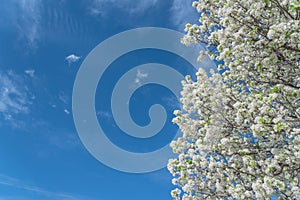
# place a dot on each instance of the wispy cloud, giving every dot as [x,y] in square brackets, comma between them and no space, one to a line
[182,13]
[65,140]
[30,72]
[63,98]
[172,102]
[72,58]
[15,97]
[104,114]
[21,185]
[28,21]
[140,76]
[99,7]
[64,105]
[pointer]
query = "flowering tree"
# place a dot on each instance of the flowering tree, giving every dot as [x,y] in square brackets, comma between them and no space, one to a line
[241,128]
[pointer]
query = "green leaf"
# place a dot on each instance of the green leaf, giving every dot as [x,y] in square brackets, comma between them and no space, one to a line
[274,90]
[262,121]
[179,168]
[279,126]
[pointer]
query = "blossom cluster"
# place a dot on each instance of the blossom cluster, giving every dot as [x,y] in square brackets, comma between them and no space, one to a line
[241,127]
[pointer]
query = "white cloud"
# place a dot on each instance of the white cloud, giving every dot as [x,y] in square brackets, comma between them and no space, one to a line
[67,111]
[99,7]
[14,95]
[140,76]
[30,72]
[72,58]
[183,13]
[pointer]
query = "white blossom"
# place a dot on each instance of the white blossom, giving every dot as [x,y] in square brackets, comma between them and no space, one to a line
[241,127]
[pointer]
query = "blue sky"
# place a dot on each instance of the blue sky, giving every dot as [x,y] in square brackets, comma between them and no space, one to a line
[43,44]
